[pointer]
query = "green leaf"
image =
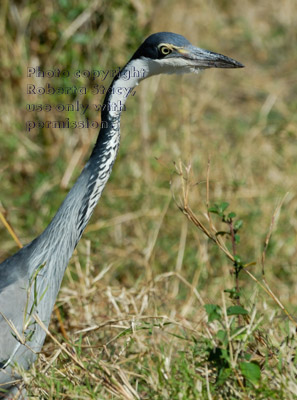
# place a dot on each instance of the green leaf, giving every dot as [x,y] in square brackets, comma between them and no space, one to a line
[223,206]
[214,312]
[236,310]
[251,371]
[238,224]
[222,336]
[237,238]
[231,215]
[213,210]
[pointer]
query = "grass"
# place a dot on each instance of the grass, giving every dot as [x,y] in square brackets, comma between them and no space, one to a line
[145,309]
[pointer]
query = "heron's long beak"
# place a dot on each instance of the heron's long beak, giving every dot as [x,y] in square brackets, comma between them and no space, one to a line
[207,59]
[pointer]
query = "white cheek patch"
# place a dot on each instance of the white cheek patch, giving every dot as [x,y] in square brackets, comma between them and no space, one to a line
[177,66]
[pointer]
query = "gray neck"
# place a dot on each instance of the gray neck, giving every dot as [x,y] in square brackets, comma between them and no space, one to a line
[65,230]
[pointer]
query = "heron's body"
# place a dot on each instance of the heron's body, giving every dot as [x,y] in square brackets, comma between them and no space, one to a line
[31,278]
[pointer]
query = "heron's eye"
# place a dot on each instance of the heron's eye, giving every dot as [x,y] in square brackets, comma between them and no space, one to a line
[165,50]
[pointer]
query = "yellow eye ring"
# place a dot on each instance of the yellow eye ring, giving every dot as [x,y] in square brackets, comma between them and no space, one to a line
[165,50]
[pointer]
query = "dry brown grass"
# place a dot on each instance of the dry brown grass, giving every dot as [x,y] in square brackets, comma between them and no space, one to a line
[132,300]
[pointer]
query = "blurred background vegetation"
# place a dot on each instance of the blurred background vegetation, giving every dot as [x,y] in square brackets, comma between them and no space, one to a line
[244,121]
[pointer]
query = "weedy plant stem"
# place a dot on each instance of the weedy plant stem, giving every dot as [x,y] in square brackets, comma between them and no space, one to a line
[185,174]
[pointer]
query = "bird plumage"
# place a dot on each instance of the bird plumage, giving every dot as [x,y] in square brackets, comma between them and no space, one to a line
[41,264]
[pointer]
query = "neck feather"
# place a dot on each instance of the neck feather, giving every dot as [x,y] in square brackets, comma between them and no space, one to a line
[67,226]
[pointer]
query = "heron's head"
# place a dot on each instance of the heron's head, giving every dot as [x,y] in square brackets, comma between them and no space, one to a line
[169,53]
